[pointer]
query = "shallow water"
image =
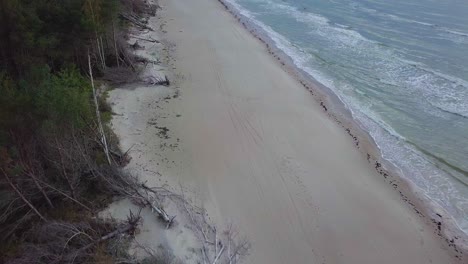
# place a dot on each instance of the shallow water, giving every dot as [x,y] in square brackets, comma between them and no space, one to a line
[401,67]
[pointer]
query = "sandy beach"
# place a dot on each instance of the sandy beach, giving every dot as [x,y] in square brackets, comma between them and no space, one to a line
[257,150]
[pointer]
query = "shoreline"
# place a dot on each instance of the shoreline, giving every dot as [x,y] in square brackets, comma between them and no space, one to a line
[443,222]
[325,100]
[230,145]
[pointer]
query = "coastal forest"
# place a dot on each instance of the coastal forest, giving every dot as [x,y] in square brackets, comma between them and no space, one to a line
[58,157]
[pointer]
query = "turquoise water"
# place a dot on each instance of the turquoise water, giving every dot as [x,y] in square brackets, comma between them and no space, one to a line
[400,67]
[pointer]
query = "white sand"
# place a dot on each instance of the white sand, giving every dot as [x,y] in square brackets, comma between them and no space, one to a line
[139,116]
[257,150]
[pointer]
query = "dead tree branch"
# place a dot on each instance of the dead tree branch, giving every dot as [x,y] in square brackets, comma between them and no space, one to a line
[132,223]
[157,80]
[66,195]
[44,194]
[225,248]
[98,114]
[130,187]
[146,39]
[153,200]
[64,242]
[22,196]
[135,21]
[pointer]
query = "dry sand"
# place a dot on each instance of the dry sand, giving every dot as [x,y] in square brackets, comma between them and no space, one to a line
[257,150]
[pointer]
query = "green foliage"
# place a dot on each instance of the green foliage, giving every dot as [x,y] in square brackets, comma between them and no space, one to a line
[50,32]
[64,98]
[99,13]
[46,99]
[44,94]
[13,102]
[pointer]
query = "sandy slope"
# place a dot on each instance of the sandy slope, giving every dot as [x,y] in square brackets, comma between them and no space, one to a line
[259,151]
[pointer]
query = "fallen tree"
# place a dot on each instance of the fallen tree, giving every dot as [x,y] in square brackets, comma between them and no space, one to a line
[154,80]
[136,21]
[224,247]
[56,156]
[65,242]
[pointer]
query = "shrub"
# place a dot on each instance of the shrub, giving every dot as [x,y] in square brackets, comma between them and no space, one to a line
[64,98]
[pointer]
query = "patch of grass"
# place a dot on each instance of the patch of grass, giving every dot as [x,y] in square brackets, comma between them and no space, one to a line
[106,117]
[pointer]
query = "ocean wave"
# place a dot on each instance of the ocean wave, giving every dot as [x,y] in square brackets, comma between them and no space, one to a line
[415,80]
[420,170]
[451,108]
[301,58]
[437,89]
[445,92]
[316,21]
[451,31]
[407,20]
[453,35]
[400,18]
[394,17]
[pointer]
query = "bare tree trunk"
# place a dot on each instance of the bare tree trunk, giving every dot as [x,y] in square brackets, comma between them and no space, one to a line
[132,224]
[67,196]
[22,196]
[135,21]
[98,43]
[98,114]
[49,202]
[219,255]
[103,54]
[64,171]
[146,39]
[223,248]
[115,44]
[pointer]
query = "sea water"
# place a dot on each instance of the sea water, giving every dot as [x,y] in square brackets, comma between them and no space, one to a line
[400,67]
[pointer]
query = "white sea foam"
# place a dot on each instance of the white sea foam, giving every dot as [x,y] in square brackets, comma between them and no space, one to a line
[458,35]
[430,86]
[419,82]
[451,31]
